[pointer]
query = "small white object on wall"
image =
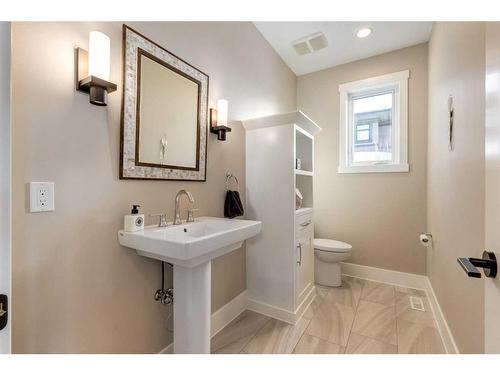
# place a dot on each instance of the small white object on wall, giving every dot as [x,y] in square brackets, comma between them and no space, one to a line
[163,147]
[426,239]
[42,196]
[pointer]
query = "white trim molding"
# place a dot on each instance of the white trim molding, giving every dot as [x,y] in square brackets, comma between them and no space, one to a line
[398,82]
[221,318]
[295,117]
[448,340]
[382,275]
[291,317]
[169,349]
[228,312]
[410,280]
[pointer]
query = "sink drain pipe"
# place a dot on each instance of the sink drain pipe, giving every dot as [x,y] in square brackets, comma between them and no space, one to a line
[165,296]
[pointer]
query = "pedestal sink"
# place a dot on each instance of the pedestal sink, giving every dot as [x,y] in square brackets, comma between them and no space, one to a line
[190,247]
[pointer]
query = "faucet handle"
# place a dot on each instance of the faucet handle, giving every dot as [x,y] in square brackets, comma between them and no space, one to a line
[163,219]
[191,212]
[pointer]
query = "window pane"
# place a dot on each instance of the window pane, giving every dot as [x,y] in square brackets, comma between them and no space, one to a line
[363,135]
[372,127]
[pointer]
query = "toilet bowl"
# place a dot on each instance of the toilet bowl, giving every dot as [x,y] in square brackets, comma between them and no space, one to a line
[327,257]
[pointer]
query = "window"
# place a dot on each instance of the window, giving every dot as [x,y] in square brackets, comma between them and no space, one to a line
[374,124]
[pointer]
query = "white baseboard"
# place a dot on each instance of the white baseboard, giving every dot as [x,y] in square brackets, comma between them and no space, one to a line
[278,313]
[448,340]
[221,317]
[410,280]
[271,311]
[228,312]
[169,349]
[382,275]
[311,294]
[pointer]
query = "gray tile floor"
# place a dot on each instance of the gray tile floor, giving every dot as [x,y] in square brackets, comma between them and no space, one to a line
[360,317]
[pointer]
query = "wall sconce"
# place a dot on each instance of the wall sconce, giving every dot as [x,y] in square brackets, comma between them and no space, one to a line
[218,120]
[93,68]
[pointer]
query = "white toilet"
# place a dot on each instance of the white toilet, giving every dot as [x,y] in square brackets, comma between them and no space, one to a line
[327,257]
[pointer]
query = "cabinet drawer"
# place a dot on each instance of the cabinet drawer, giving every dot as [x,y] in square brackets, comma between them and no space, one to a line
[304,225]
[303,219]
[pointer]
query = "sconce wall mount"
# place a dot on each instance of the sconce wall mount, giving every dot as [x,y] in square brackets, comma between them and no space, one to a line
[96,87]
[218,120]
[92,72]
[220,130]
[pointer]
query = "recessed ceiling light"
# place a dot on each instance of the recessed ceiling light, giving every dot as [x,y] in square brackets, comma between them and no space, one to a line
[364,32]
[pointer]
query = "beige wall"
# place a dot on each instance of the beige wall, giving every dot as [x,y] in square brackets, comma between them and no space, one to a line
[75,288]
[380,214]
[456,179]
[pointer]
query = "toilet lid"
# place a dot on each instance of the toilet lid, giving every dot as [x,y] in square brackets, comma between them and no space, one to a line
[333,246]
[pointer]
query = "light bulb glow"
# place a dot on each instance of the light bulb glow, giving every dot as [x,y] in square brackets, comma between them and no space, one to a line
[364,32]
[222,112]
[99,55]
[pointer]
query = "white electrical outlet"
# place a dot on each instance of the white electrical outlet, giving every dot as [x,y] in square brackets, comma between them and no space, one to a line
[41,196]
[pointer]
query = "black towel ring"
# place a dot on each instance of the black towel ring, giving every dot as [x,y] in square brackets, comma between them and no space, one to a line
[230,176]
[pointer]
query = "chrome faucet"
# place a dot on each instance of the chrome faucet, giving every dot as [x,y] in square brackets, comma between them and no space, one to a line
[177,219]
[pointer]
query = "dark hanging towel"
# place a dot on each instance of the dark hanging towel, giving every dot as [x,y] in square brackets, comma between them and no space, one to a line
[232,205]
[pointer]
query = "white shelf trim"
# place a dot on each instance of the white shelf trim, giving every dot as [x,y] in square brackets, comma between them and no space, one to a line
[295,117]
[304,173]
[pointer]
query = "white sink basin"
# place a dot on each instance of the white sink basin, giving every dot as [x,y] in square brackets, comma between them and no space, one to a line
[190,247]
[191,244]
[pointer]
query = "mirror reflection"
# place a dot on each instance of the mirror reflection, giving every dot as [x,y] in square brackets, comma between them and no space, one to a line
[167,115]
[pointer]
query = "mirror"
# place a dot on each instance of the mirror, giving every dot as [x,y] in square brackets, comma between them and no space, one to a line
[167,115]
[164,121]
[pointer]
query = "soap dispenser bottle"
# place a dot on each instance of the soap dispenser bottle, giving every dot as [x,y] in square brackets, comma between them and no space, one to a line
[134,221]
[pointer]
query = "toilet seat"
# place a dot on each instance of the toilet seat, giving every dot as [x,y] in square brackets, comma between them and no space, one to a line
[332,246]
[328,255]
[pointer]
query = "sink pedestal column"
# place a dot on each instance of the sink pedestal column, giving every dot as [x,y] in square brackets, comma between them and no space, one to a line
[192,309]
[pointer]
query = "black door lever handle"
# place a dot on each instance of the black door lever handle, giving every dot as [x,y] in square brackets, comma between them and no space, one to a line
[4,308]
[488,263]
[469,268]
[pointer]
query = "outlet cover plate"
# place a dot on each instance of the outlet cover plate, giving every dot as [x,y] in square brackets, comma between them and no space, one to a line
[42,196]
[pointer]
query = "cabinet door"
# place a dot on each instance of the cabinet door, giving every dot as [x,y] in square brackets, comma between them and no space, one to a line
[305,261]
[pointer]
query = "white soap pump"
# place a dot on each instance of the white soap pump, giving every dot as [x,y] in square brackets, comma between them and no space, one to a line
[134,221]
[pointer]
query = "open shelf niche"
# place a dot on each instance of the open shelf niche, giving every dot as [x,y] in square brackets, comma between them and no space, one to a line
[304,150]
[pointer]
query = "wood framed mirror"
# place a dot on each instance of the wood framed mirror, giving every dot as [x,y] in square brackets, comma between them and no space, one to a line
[164,113]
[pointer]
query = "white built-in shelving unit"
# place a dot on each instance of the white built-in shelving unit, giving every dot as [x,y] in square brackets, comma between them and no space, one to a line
[280,261]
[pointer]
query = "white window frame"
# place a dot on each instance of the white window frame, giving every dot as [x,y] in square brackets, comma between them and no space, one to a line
[399,82]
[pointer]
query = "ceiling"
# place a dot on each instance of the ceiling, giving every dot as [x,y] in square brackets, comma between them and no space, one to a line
[343,45]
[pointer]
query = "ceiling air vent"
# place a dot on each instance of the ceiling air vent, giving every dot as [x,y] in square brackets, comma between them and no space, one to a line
[310,43]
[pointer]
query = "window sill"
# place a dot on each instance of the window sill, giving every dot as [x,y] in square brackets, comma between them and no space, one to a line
[380,168]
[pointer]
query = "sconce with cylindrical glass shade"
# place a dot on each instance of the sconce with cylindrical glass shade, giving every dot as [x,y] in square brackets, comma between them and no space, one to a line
[94,69]
[99,55]
[218,120]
